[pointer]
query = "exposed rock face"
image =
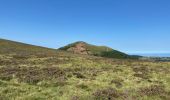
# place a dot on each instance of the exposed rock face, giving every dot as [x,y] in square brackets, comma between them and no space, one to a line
[79,48]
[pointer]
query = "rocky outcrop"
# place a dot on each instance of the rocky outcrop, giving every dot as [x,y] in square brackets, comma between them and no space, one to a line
[79,48]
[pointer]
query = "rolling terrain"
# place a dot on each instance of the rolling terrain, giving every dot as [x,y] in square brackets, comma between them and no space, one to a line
[83,72]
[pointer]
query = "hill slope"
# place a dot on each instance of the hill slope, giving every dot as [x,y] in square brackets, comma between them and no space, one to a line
[88,49]
[8,47]
[26,74]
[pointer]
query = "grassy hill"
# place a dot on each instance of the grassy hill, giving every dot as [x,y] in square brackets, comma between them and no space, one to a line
[30,72]
[101,51]
[7,46]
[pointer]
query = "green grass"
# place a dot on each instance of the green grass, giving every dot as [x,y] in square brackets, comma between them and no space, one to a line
[58,75]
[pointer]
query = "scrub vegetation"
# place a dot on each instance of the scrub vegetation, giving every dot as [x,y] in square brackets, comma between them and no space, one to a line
[35,73]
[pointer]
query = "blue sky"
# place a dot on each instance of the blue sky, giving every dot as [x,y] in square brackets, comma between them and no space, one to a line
[131,26]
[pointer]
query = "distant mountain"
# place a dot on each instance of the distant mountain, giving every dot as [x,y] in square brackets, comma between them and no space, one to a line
[88,49]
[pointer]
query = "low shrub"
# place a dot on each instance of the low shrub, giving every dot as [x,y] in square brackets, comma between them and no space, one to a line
[106,94]
[117,82]
[78,75]
[142,72]
[31,75]
[153,90]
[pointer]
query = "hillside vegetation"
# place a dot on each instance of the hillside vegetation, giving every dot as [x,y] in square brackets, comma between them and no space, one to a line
[30,72]
[8,47]
[102,51]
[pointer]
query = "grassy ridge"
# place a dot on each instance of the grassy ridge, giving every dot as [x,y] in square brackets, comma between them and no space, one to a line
[7,46]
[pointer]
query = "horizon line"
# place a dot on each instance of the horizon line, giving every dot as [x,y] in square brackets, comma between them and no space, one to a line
[128,52]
